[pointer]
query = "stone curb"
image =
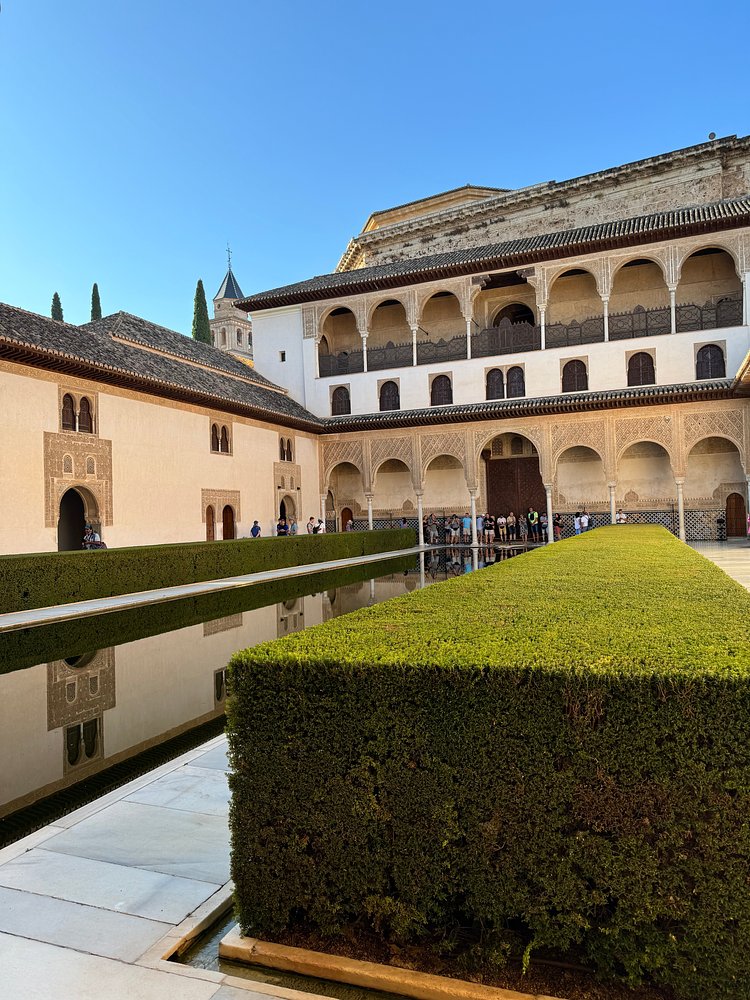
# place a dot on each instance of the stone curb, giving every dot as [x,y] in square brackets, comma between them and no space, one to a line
[419,985]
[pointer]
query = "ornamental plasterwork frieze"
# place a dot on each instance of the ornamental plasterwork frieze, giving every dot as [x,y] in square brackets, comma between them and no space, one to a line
[309,322]
[219,499]
[84,462]
[534,433]
[287,476]
[336,452]
[384,449]
[580,433]
[77,694]
[433,445]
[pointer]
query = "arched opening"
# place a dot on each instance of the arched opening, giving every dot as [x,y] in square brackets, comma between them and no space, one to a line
[224,441]
[713,472]
[709,294]
[227,518]
[515,312]
[388,327]
[345,481]
[393,486]
[287,507]
[736,516]
[85,419]
[289,452]
[210,524]
[441,391]
[710,363]
[390,397]
[575,314]
[644,472]
[68,413]
[346,517]
[341,403]
[342,352]
[282,449]
[516,383]
[223,337]
[445,485]
[641,369]
[639,301]
[512,476]
[581,479]
[441,317]
[71,523]
[214,437]
[495,387]
[575,378]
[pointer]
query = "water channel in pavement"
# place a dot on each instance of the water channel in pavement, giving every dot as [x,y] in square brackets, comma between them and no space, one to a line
[89,705]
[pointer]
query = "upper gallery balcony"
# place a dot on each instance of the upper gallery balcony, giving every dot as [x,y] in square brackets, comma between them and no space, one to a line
[506,319]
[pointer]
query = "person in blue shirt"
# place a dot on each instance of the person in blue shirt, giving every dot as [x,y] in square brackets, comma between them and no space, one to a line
[255,530]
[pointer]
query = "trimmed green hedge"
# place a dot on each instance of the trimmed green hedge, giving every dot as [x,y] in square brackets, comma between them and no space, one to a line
[556,750]
[28,647]
[39,580]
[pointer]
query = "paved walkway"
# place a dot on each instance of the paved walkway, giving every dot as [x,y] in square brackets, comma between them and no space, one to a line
[733,556]
[90,905]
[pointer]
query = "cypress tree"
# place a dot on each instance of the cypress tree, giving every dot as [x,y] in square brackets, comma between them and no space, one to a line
[96,306]
[57,312]
[201,325]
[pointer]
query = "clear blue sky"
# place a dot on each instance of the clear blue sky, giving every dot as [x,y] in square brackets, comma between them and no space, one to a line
[138,137]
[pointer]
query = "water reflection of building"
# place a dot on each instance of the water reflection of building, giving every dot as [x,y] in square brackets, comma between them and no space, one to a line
[73,717]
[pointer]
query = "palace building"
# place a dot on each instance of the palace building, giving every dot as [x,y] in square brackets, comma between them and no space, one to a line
[574,344]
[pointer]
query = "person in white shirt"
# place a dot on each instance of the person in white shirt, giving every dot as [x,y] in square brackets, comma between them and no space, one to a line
[584,521]
[321,527]
[620,517]
[577,522]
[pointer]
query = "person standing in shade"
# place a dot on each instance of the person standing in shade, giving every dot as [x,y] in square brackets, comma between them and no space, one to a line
[510,526]
[543,527]
[480,528]
[584,521]
[255,530]
[293,526]
[321,526]
[522,528]
[311,526]
[557,527]
[489,528]
[532,524]
[500,525]
[466,529]
[577,522]
[281,528]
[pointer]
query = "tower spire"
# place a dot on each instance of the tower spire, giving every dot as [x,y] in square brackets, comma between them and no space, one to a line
[229,257]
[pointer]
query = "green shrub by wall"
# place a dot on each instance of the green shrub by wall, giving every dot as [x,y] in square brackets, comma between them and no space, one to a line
[39,580]
[559,745]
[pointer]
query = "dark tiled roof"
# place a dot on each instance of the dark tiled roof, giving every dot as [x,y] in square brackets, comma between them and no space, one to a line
[125,326]
[512,253]
[230,288]
[93,352]
[498,409]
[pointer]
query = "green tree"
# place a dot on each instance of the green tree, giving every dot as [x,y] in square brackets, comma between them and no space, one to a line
[96,305]
[57,312]
[201,326]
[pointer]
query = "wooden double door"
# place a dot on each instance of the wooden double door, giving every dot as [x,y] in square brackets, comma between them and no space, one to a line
[514,484]
[736,516]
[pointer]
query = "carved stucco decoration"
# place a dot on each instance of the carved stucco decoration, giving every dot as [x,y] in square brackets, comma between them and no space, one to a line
[534,432]
[222,624]
[658,428]
[68,449]
[383,449]
[433,445]
[219,499]
[584,433]
[715,423]
[78,694]
[336,452]
[287,476]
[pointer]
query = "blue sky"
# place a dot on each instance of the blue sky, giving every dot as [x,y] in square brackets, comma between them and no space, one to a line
[139,137]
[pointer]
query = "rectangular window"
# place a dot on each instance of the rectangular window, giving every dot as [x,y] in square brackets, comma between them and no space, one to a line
[282,355]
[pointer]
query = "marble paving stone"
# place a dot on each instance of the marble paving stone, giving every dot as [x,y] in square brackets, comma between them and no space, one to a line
[193,789]
[191,845]
[32,970]
[72,925]
[235,993]
[111,887]
[216,758]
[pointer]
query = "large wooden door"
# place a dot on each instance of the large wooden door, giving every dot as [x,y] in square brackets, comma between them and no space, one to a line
[228,522]
[514,484]
[736,516]
[210,524]
[346,517]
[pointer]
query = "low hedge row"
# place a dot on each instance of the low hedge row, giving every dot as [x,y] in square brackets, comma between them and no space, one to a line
[39,580]
[28,647]
[555,750]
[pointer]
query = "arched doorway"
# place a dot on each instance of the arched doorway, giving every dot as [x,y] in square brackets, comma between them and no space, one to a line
[227,518]
[287,507]
[77,508]
[346,517]
[514,482]
[210,524]
[736,516]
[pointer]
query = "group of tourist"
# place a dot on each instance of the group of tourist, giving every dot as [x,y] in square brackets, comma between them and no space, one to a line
[529,527]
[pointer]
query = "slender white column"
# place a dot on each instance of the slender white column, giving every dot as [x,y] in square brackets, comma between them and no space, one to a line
[468,339]
[414,345]
[605,302]
[323,498]
[420,518]
[317,358]
[364,351]
[673,309]
[369,511]
[612,512]
[421,571]
[473,498]
[680,509]
[543,324]
[746,298]
[550,525]
[475,559]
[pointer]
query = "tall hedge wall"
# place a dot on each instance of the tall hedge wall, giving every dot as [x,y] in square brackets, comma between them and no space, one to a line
[558,746]
[39,580]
